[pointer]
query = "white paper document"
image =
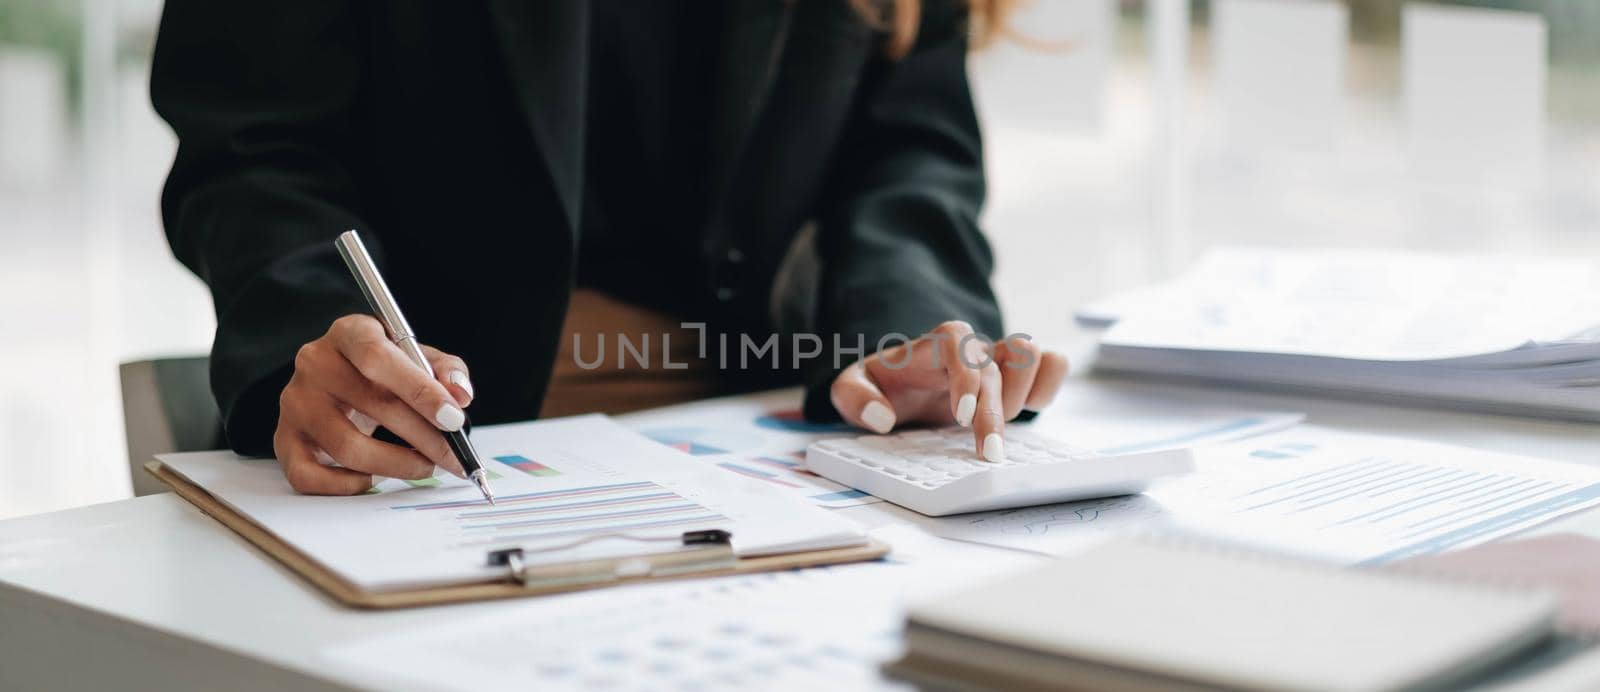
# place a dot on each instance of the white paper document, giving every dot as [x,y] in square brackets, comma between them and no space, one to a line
[822,628]
[1314,492]
[764,437]
[556,481]
[1113,420]
[759,436]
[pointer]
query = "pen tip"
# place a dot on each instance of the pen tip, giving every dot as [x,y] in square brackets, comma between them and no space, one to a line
[482,481]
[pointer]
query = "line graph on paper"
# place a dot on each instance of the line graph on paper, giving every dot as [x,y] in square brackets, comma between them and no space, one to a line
[569,512]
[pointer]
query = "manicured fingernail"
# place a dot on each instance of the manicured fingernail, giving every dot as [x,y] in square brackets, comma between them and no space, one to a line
[454,470]
[879,418]
[994,448]
[449,418]
[459,379]
[965,407]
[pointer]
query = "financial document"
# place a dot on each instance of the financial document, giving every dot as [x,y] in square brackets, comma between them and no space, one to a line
[759,436]
[1114,420]
[1314,492]
[556,481]
[763,436]
[822,628]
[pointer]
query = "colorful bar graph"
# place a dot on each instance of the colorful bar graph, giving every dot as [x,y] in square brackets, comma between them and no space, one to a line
[588,510]
[686,440]
[850,494]
[705,441]
[758,474]
[526,465]
[775,462]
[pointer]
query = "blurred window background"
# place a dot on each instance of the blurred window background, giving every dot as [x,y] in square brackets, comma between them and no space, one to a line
[1123,138]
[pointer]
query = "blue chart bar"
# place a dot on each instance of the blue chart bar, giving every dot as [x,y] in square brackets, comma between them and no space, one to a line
[1410,506]
[1439,544]
[1182,440]
[850,494]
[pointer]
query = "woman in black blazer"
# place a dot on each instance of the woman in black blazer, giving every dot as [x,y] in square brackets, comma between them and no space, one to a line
[533,173]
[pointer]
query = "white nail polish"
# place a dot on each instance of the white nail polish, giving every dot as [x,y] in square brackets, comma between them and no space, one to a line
[877,417]
[449,418]
[965,407]
[459,379]
[994,448]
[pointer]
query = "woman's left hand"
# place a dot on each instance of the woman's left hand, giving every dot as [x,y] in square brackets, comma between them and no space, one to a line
[950,376]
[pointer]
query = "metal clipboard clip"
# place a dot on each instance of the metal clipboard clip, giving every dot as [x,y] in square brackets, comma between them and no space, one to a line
[704,551]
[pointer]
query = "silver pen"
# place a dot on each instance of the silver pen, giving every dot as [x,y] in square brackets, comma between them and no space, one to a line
[388,312]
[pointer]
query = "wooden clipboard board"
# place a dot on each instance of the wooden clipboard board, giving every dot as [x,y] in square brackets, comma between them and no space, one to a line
[349,594]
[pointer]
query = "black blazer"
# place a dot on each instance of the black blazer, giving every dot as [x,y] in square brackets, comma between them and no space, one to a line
[300,119]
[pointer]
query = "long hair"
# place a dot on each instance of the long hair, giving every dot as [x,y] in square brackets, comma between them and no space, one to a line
[901,17]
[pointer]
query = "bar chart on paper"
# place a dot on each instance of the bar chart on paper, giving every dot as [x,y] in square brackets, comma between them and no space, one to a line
[1314,492]
[761,437]
[1372,500]
[572,489]
[576,511]
[526,465]
[787,471]
[700,441]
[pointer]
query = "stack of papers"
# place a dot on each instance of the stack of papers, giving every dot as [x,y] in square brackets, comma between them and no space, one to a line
[1519,336]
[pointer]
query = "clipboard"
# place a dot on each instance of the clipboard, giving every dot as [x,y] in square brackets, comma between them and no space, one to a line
[708,560]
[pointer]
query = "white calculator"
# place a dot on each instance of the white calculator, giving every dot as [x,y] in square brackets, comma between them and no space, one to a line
[938,472]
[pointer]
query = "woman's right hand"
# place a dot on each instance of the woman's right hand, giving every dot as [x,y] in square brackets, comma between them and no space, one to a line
[347,383]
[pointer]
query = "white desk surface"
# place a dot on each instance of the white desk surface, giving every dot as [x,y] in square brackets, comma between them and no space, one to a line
[149,593]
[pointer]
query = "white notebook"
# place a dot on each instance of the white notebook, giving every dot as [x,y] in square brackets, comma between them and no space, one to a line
[1146,614]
